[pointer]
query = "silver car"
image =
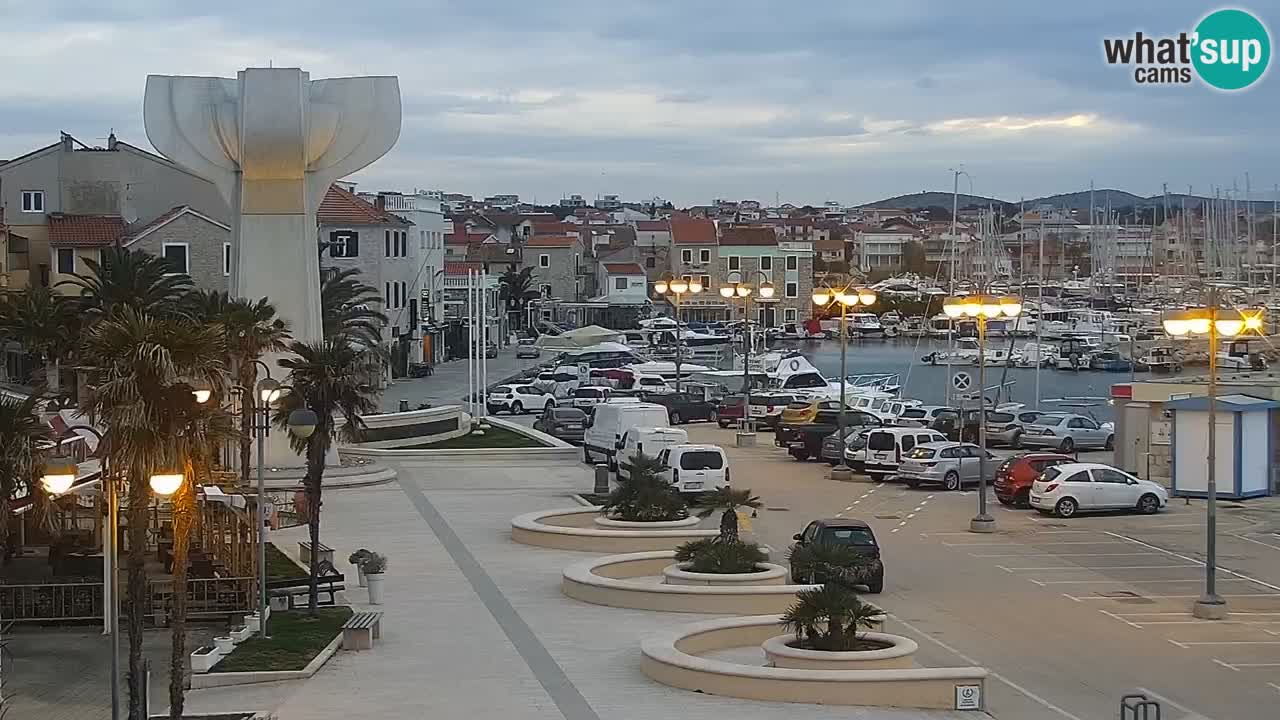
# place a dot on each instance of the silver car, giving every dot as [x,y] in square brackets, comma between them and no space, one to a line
[1066,432]
[949,464]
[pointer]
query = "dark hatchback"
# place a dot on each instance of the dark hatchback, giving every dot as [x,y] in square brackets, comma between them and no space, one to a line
[563,423]
[855,534]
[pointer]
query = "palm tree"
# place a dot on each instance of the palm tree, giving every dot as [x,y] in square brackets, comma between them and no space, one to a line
[21,432]
[44,322]
[328,379]
[251,330]
[827,562]
[516,290]
[828,618]
[347,309]
[129,278]
[726,501]
[643,496]
[136,359]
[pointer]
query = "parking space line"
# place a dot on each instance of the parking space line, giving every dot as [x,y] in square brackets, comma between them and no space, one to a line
[1193,643]
[1100,568]
[1215,622]
[1226,665]
[1239,575]
[1081,598]
[1005,544]
[1256,542]
[1277,687]
[1028,555]
[1117,617]
[1130,582]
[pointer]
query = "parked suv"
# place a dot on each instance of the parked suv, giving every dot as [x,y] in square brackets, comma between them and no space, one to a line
[730,410]
[1015,475]
[682,407]
[851,533]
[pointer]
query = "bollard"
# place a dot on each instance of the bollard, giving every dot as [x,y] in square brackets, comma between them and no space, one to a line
[602,480]
[404,406]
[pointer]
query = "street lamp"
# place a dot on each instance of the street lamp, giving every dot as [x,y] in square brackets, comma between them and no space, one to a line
[166,483]
[59,475]
[982,308]
[743,291]
[847,298]
[677,287]
[302,423]
[1214,322]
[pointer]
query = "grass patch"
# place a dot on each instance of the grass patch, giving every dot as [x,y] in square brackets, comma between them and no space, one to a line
[281,566]
[295,640]
[494,437]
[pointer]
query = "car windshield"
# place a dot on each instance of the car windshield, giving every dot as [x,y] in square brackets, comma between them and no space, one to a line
[999,417]
[501,390]
[568,414]
[587,392]
[921,453]
[914,414]
[701,460]
[1051,474]
[1051,419]
[858,536]
[880,441]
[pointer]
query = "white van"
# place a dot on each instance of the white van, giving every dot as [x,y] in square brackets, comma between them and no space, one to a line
[610,420]
[649,440]
[585,397]
[695,468]
[886,446]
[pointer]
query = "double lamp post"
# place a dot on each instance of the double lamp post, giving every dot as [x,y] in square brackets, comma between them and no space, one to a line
[846,298]
[677,287]
[742,291]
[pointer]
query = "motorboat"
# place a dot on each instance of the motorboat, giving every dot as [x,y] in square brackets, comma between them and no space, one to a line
[1111,361]
[913,327]
[964,353]
[941,326]
[865,325]
[1162,359]
[891,319]
[1073,353]
[1034,354]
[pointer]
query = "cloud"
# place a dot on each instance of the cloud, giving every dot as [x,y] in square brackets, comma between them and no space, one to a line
[812,101]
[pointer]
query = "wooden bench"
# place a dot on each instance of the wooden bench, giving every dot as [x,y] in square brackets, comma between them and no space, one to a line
[304,553]
[360,630]
[295,591]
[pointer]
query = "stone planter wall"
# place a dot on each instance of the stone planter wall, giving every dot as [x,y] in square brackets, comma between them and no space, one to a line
[780,654]
[606,522]
[770,575]
[575,529]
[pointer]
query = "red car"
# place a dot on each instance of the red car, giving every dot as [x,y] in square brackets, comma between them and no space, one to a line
[1015,475]
[729,410]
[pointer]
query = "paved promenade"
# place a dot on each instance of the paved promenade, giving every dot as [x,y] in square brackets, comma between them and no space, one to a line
[476,626]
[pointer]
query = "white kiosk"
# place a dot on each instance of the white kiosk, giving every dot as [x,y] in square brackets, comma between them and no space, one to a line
[1244,449]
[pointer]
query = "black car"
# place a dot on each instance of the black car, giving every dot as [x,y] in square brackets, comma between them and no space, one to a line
[681,407]
[804,440]
[563,423]
[851,533]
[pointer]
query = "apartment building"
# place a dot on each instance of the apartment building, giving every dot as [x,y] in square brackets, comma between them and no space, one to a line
[559,265]
[882,249]
[754,254]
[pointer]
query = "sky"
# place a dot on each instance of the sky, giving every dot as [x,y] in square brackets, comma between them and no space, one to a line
[692,100]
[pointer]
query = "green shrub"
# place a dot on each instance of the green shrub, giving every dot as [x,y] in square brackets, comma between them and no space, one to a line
[722,558]
[828,563]
[828,618]
[645,497]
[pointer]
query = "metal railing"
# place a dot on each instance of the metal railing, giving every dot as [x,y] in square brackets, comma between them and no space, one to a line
[206,597]
[51,601]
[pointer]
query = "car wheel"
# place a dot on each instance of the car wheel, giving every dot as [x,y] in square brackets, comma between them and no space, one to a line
[951,481]
[1148,504]
[675,418]
[517,408]
[876,586]
[800,455]
[1015,442]
[586,455]
[876,477]
[1067,445]
[1066,508]
[913,484]
[724,424]
[1110,444]
[1022,499]
[1007,502]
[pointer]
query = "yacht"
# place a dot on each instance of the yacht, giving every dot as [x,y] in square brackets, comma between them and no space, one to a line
[1162,360]
[865,325]
[913,327]
[940,326]
[964,353]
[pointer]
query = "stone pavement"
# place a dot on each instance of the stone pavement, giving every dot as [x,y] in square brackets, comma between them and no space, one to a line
[449,383]
[476,625]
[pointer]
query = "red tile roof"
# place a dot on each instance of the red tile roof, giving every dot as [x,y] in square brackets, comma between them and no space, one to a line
[553,227]
[623,269]
[834,244]
[693,231]
[452,267]
[652,226]
[340,207]
[740,235]
[549,241]
[84,230]
[468,239]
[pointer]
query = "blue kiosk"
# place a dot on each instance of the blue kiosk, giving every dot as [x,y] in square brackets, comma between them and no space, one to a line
[1245,446]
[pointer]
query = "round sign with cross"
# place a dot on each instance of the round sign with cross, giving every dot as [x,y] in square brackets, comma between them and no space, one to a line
[961,381]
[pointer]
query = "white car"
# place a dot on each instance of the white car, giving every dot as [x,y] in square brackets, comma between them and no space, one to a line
[519,399]
[695,468]
[1070,488]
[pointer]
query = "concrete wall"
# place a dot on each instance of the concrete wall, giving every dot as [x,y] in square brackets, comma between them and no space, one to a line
[561,272]
[376,269]
[205,242]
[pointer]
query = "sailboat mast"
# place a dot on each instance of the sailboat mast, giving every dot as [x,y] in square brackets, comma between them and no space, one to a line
[1040,310]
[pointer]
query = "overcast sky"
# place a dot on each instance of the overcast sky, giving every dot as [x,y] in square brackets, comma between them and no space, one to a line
[689,100]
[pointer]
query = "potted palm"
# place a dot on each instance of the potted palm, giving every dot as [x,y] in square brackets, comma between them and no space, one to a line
[645,499]
[374,566]
[357,558]
[724,559]
[830,629]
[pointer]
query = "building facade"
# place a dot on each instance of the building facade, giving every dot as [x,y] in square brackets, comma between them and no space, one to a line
[192,242]
[559,265]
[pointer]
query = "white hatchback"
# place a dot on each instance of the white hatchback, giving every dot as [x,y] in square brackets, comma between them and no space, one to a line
[1067,489]
[518,399]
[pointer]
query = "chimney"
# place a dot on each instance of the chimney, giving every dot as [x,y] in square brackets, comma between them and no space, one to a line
[111,140]
[66,142]
[380,201]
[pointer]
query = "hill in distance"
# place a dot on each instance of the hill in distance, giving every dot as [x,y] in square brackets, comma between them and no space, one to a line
[1102,198]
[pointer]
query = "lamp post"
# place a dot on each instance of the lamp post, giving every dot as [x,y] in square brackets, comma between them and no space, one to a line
[743,291]
[677,287]
[1215,323]
[57,477]
[982,308]
[846,298]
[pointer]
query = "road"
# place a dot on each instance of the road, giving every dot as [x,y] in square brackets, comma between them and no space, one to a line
[1069,615]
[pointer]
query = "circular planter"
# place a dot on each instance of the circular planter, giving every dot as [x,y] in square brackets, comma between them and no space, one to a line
[575,529]
[898,655]
[766,574]
[606,522]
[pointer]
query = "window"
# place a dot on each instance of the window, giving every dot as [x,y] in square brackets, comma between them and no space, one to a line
[1113,477]
[704,255]
[386,293]
[545,289]
[793,262]
[908,442]
[686,256]
[344,244]
[176,255]
[544,260]
[33,201]
[386,239]
[701,460]
[792,290]
[650,263]
[404,243]
[766,263]
[620,283]
[66,260]
[735,263]
[226,259]
[706,282]
[789,315]
[856,536]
